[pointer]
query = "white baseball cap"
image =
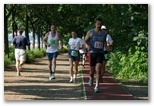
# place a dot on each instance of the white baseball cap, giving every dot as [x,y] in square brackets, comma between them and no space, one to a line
[103,27]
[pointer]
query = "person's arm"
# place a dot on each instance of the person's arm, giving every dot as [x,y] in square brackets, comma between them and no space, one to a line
[69,45]
[88,35]
[13,42]
[61,40]
[26,41]
[81,44]
[45,40]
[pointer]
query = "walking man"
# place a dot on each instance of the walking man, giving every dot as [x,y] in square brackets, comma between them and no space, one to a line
[51,41]
[95,42]
[20,43]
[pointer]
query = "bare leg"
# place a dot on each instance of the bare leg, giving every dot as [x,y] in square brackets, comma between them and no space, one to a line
[98,71]
[17,67]
[71,69]
[103,70]
[83,60]
[22,62]
[50,65]
[91,73]
[53,64]
[76,67]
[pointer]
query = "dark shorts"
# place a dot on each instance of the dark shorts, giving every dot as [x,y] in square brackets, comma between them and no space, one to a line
[75,58]
[95,58]
[50,56]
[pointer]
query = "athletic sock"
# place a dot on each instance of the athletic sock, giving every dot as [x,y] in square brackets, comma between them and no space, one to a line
[53,73]
[91,76]
[96,86]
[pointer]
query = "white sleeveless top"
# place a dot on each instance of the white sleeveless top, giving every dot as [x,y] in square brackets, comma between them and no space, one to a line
[53,41]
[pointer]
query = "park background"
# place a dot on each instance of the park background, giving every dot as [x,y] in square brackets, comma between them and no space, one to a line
[150,8]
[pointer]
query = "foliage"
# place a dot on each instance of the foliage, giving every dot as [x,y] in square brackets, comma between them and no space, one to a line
[131,65]
[29,56]
[7,61]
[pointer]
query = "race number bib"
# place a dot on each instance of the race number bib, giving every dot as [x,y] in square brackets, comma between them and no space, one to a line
[74,53]
[51,42]
[98,45]
[106,56]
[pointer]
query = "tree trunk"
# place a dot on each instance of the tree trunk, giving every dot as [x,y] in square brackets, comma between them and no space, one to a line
[39,32]
[13,24]
[33,38]
[6,46]
[26,30]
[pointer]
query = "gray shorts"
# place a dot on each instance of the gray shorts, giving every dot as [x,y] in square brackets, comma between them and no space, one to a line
[20,54]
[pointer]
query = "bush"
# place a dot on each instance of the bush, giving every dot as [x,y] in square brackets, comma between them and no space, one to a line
[43,51]
[7,61]
[64,50]
[37,53]
[133,65]
[29,56]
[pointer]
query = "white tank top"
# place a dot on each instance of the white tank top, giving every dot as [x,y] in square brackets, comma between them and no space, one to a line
[53,41]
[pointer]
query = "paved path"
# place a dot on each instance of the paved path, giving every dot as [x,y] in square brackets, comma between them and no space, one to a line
[34,84]
[108,90]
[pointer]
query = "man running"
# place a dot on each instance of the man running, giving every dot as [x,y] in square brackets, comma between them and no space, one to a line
[20,43]
[51,41]
[95,42]
[109,42]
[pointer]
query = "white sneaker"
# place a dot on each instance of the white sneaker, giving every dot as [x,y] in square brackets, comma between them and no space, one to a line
[52,76]
[96,90]
[71,80]
[18,74]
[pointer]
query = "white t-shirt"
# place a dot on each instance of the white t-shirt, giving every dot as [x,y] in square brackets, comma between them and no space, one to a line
[75,43]
[108,40]
[83,50]
[53,41]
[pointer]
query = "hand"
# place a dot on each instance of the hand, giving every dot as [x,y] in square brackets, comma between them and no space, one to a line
[108,48]
[12,44]
[88,48]
[48,45]
[77,49]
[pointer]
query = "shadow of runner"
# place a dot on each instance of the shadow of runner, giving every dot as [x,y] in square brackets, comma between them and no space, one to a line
[43,92]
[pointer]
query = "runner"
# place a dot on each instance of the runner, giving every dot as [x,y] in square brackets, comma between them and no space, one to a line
[95,43]
[74,45]
[83,52]
[109,42]
[20,43]
[51,41]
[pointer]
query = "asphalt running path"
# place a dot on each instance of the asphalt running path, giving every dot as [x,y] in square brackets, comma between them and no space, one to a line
[35,85]
[108,90]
